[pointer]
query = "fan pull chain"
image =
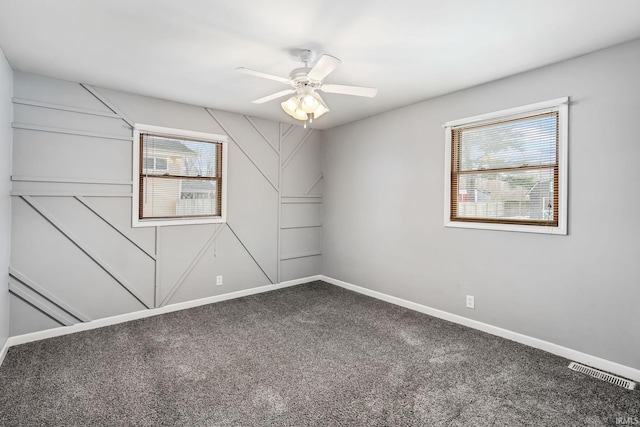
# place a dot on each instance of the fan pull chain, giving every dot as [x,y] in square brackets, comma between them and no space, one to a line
[308,120]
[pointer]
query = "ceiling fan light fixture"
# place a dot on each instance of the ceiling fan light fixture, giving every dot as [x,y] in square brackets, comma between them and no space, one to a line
[309,103]
[300,114]
[306,104]
[320,111]
[289,106]
[321,106]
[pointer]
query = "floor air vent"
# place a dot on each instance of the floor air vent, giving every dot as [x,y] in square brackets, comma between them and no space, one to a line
[602,376]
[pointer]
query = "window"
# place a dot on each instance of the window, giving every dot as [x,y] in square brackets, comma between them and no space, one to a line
[508,170]
[180,177]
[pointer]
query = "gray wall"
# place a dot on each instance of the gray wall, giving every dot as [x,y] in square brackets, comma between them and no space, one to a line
[6,112]
[383,212]
[74,255]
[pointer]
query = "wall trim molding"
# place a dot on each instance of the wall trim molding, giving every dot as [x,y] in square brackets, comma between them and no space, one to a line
[558,350]
[114,320]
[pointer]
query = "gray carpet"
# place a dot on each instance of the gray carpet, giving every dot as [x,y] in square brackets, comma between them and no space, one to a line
[310,355]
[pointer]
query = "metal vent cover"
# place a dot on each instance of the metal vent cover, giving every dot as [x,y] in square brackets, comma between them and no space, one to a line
[622,382]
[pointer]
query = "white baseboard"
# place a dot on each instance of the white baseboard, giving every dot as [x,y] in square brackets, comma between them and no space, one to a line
[107,321]
[3,351]
[575,355]
[568,353]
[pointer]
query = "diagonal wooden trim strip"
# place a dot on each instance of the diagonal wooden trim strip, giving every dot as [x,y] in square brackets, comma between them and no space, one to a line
[261,134]
[124,234]
[192,264]
[250,254]
[38,305]
[314,184]
[84,248]
[47,295]
[288,131]
[298,147]
[240,147]
[108,104]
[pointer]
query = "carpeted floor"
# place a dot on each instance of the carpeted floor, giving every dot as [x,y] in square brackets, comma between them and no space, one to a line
[310,355]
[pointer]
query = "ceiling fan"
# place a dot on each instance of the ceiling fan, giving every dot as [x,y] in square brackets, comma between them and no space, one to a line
[307,104]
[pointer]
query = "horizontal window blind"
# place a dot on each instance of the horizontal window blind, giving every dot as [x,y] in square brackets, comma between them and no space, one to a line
[506,171]
[179,177]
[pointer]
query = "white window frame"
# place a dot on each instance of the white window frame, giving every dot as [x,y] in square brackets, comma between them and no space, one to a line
[559,104]
[177,133]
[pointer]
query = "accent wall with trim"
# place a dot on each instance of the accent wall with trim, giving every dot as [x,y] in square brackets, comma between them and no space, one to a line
[74,254]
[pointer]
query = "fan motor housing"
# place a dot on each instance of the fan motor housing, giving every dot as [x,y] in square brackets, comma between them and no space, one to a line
[300,80]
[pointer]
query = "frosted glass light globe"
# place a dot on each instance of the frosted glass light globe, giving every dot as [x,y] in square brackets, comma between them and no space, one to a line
[309,103]
[300,114]
[289,106]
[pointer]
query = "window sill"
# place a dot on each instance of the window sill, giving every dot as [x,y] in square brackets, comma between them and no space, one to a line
[539,229]
[178,221]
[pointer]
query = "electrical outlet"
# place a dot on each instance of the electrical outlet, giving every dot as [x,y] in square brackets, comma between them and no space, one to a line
[218,280]
[470,301]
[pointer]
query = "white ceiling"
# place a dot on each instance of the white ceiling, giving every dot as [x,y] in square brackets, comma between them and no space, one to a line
[188,50]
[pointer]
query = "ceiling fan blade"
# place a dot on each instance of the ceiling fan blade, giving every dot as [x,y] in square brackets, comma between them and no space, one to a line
[369,92]
[273,96]
[323,67]
[263,75]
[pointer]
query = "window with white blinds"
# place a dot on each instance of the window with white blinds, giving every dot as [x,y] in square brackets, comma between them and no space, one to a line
[507,170]
[180,177]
